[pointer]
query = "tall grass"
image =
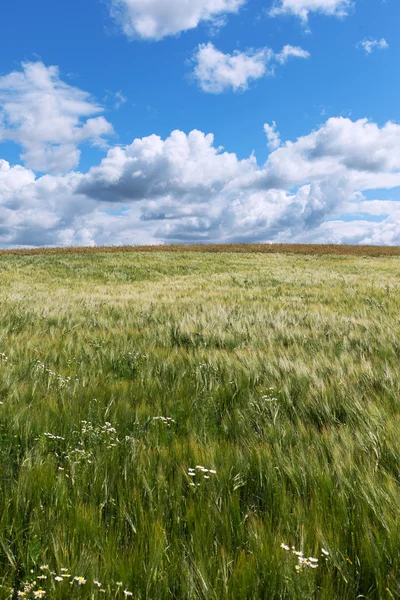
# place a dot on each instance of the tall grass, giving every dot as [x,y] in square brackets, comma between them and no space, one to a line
[279,372]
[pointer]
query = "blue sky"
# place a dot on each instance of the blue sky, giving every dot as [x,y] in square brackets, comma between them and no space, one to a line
[146,68]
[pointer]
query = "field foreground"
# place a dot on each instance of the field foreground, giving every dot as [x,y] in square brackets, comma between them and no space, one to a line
[169,421]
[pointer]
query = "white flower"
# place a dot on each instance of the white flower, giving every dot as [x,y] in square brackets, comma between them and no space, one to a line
[58,578]
[311,559]
[212,471]
[39,593]
[284,546]
[80,580]
[325,552]
[127,593]
[97,583]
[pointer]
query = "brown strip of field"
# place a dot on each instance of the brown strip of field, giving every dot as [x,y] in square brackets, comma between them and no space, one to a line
[334,249]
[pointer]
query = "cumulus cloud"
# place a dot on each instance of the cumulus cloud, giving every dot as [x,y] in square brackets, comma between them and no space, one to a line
[217,72]
[366,154]
[369,45]
[48,118]
[181,167]
[187,189]
[302,8]
[156,19]
[37,211]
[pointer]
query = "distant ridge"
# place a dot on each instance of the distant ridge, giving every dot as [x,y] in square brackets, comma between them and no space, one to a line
[334,249]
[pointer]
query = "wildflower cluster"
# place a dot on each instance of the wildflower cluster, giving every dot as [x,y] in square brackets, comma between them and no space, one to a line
[92,436]
[166,420]
[48,579]
[303,561]
[199,471]
[106,428]
[32,587]
[61,381]
[51,436]
[104,434]
[3,357]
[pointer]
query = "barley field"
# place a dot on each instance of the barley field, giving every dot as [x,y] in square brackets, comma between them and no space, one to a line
[199,425]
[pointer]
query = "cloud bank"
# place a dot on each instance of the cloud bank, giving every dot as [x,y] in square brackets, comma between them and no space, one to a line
[186,189]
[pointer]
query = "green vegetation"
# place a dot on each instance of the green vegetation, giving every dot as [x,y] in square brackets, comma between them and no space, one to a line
[279,372]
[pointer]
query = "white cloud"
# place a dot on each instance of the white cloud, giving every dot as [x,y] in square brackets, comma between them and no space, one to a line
[183,166]
[302,8]
[273,137]
[217,72]
[369,45]
[156,19]
[48,118]
[187,189]
[36,211]
[365,154]
[291,51]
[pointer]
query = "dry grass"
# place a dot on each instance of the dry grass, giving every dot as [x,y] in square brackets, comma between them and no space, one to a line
[311,249]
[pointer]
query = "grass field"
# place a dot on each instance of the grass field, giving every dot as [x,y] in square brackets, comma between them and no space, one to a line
[308,249]
[279,372]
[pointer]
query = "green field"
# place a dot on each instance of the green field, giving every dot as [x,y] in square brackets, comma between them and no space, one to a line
[280,372]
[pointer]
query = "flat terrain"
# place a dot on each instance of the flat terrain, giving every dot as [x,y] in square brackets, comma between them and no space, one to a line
[278,374]
[309,249]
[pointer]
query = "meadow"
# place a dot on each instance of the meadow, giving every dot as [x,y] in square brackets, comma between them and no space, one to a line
[199,425]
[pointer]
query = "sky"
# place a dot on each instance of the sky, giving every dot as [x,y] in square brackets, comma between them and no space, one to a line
[199,121]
